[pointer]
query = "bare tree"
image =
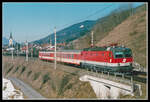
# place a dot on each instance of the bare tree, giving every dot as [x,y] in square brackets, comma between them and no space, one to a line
[130,7]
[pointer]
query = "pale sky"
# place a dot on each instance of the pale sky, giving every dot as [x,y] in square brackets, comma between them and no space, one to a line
[33,21]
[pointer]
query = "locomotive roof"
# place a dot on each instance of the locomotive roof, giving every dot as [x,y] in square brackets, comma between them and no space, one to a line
[105,48]
[121,48]
[64,51]
[95,49]
[69,50]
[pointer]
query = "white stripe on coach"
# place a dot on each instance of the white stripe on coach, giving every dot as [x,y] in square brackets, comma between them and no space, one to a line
[62,52]
[89,62]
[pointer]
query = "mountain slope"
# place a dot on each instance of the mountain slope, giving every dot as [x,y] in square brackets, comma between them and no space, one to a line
[101,29]
[68,34]
[119,27]
[132,34]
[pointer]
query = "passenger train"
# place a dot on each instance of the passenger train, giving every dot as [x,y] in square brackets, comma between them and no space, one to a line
[111,58]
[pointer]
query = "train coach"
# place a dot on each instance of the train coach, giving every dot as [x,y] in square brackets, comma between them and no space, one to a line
[112,58]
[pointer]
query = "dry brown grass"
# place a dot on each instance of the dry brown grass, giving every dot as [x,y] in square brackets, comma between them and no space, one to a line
[62,84]
[56,87]
[132,34]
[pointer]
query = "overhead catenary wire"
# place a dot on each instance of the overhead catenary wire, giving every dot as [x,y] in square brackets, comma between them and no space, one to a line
[101,10]
[79,20]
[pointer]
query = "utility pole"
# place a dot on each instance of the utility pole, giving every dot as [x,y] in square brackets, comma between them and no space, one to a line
[17,48]
[31,51]
[131,8]
[12,52]
[26,50]
[50,41]
[55,47]
[92,39]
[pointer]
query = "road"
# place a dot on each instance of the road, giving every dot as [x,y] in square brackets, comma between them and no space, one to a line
[26,89]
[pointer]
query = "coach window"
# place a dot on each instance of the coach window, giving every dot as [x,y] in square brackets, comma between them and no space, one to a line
[72,56]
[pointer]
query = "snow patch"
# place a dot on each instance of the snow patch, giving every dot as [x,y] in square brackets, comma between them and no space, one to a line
[9,92]
[81,26]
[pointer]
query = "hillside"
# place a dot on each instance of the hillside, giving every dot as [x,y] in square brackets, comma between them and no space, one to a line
[60,83]
[132,34]
[68,34]
[101,29]
[129,31]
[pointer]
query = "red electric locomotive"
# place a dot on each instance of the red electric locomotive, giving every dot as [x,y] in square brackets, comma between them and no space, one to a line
[112,58]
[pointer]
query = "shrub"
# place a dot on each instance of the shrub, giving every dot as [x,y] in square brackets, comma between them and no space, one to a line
[68,86]
[23,69]
[133,33]
[53,86]
[16,70]
[9,70]
[46,78]
[141,20]
[64,82]
[29,72]
[36,75]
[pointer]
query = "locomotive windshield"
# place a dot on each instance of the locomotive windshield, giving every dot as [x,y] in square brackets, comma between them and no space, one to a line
[119,54]
[128,53]
[122,53]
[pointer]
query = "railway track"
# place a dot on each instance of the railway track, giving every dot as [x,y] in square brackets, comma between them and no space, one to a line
[118,75]
[128,77]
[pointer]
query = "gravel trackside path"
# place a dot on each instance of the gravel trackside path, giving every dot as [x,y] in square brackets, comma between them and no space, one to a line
[26,89]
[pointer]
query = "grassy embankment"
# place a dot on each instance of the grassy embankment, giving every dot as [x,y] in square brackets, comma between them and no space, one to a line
[60,83]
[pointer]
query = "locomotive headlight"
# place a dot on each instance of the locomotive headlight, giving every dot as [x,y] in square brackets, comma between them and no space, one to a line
[124,60]
[110,60]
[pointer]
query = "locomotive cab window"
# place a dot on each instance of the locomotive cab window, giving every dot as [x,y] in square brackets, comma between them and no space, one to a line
[128,53]
[118,54]
[122,53]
